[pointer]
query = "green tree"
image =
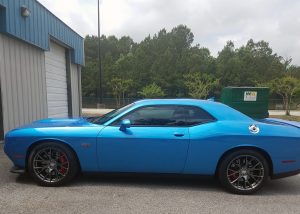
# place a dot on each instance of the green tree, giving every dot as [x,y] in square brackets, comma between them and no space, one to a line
[166,57]
[293,71]
[89,80]
[246,66]
[200,85]
[152,91]
[112,49]
[287,87]
[119,88]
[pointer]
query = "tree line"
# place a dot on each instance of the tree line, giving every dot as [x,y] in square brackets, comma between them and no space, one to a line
[169,64]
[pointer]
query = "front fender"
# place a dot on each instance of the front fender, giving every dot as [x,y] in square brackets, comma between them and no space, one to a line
[81,139]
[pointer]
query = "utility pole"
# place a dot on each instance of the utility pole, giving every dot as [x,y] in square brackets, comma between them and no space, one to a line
[99,87]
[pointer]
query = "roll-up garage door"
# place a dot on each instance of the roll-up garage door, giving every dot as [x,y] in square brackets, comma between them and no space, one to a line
[56,79]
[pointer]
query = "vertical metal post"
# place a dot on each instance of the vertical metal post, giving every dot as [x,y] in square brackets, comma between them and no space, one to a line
[99,88]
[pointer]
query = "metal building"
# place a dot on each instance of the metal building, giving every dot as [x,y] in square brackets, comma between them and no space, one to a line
[40,65]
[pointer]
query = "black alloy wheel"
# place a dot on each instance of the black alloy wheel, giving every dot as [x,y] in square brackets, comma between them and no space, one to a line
[52,164]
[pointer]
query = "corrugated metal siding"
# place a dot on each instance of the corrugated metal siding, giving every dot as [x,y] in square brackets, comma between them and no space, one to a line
[23,82]
[36,28]
[76,90]
[56,80]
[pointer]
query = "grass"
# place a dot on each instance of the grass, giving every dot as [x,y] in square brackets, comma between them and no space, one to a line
[284,117]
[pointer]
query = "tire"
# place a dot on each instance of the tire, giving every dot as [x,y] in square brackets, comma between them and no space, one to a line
[243,172]
[56,169]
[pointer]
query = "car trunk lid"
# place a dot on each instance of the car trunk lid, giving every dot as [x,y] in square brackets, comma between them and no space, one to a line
[276,121]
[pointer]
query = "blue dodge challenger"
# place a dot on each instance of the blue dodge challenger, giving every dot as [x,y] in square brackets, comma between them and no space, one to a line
[180,136]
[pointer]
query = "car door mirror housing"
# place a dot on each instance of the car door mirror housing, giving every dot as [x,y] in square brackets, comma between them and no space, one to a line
[125,124]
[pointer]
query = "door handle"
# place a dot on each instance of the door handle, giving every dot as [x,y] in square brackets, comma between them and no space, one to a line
[178,134]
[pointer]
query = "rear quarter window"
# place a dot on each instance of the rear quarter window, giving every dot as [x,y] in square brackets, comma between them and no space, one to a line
[196,115]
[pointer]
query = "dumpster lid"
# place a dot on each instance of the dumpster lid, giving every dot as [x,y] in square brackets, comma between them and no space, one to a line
[251,87]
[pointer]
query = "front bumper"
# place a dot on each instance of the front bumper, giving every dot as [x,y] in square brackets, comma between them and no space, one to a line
[16,152]
[17,170]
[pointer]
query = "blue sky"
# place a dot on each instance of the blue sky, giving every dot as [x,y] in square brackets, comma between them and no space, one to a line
[213,22]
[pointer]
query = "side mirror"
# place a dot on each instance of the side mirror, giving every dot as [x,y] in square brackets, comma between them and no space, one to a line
[125,124]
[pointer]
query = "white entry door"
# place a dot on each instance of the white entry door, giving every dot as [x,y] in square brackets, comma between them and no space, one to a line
[56,79]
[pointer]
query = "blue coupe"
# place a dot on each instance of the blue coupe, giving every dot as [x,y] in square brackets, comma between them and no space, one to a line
[180,136]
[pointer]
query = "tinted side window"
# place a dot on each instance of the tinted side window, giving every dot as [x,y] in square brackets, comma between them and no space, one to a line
[157,116]
[196,116]
[168,115]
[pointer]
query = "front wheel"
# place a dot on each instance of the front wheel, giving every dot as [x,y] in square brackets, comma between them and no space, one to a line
[243,172]
[52,164]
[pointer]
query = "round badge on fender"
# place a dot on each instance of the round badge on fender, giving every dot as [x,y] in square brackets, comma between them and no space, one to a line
[254,129]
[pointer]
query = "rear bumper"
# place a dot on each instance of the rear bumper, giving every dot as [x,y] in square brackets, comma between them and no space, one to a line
[285,174]
[17,170]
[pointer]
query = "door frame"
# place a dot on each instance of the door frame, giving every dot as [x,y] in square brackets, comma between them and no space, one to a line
[69,82]
[1,117]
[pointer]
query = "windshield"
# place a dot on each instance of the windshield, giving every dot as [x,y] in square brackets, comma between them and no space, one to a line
[106,117]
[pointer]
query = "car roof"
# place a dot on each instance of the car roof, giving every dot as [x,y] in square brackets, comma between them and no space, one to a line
[219,110]
[173,101]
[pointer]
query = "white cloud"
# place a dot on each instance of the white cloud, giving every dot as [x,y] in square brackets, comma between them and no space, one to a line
[213,22]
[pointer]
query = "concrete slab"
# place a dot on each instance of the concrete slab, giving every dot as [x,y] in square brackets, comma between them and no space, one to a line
[280,112]
[94,111]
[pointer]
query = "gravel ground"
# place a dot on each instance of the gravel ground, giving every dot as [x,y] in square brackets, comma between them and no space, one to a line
[141,194]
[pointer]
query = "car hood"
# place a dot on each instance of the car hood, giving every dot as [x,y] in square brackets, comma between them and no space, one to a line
[61,122]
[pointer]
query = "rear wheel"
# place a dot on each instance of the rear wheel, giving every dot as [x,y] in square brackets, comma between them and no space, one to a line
[243,172]
[52,164]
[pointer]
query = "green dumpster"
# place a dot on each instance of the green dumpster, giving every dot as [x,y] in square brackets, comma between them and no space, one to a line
[252,101]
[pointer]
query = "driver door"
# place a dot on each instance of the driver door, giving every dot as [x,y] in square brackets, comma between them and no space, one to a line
[157,141]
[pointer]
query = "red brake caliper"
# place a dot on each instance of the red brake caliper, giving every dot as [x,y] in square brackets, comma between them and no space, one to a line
[62,159]
[235,176]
